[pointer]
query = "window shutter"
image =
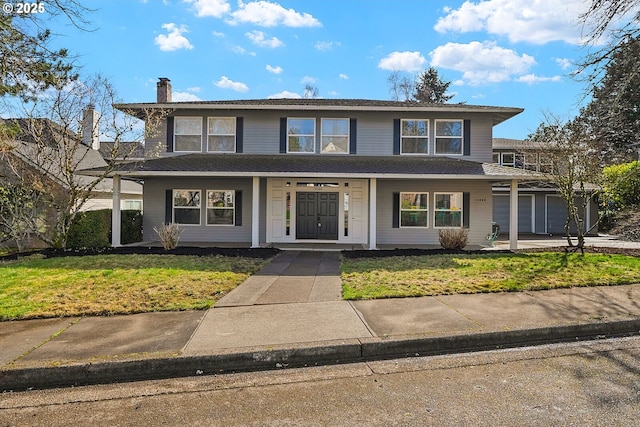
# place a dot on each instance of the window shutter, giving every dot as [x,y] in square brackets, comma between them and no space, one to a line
[353,133]
[466,141]
[396,210]
[396,136]
[168,207]
[169,134]
[239,134]
[283,134]
[238,203]
[466,202]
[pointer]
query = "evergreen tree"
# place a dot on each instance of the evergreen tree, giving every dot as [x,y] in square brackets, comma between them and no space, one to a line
[430,88]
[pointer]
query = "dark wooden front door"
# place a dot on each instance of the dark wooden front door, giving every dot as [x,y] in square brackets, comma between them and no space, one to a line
[317,216]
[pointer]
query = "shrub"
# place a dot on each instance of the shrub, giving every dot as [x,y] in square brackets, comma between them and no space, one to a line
[90,229]
[453,238]
[131,227]
[169,235]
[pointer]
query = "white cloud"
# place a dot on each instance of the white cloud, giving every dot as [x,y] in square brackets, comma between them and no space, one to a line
[326,46]
[174,40]
[194,89]
[214,8]
[532,78]
[226,83]
[242,51]
[481,62]
[402,61]
[308,80]
[343,76]
[217,34]
[267,14]
[258,38]
[184,97]
[564,63]
[533,21]
[285,94]
[274,70]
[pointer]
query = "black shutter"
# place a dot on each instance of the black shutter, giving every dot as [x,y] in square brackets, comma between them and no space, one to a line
[353,133]
[396,136]
[283,134]
[168,207]
[169,134]
[396,210]
[466,142]
[238,202]
[239,134]
[466,201]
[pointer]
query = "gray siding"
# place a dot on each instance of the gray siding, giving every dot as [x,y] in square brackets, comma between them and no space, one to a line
[154,209]
[480,211]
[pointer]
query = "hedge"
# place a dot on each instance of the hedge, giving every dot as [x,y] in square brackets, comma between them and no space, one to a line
[92,229]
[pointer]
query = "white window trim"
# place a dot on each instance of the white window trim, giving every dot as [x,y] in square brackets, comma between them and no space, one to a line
[436,136]
[413,136]
[174,207]
[436,210]
[322,135]
[234,134]
[225,208]
[302,134]
[502,162]
[409,210]
[175,127]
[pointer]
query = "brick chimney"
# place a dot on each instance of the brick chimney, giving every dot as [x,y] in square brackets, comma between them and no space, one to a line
[164,90]
[91,127]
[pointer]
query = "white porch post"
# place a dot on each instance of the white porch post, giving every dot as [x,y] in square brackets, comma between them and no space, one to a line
[255,213]
[373,193]
[513,216]
[115,213]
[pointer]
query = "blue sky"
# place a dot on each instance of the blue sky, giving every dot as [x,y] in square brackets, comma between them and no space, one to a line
[515,53]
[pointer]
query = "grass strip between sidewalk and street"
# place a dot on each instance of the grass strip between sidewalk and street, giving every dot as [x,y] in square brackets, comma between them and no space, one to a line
[410,276]
[35,287]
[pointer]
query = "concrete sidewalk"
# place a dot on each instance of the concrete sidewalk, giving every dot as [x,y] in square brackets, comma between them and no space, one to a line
[291,314]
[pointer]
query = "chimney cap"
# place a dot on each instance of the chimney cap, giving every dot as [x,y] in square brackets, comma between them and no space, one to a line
[163,79]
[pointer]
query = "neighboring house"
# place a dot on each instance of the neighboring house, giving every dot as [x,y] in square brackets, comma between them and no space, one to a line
[541,210]
[300,171]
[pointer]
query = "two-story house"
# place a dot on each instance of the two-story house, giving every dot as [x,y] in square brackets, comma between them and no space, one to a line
[342,171]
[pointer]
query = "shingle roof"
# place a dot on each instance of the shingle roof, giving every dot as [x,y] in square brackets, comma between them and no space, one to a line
[291,164]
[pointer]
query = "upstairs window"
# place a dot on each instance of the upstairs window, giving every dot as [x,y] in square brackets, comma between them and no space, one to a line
[221,134]
[335,136]
[220,207]
[414,137]
[449,137]
[508,159]
[186,207]
[448,210]
[187,134]
[301,135]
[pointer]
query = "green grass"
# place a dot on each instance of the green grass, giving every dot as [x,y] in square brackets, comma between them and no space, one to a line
[369,278]
[35,287]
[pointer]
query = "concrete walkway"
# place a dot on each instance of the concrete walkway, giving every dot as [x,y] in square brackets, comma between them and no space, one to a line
[291,314]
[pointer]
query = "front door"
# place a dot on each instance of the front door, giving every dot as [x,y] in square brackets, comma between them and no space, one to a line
[317,216]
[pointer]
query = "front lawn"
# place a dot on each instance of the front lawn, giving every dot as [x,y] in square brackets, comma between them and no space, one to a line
[117,284]
[368,278]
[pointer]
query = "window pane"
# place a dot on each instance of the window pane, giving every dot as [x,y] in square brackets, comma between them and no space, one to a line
[222,125]
[219,199]
[335,127]
[188,125]
[186,216]
[449,201]
[302,144]
[415,145]
[448,145]
[301,127]
[507,159]
[415,128]
[413,200]
[413,219]
[335,144]
[188,143]
[222,143]
[448,128]
[448,219]
[190,198]
[220,216]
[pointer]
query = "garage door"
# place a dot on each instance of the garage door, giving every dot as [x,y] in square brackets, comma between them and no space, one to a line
[525,213]
[557,215]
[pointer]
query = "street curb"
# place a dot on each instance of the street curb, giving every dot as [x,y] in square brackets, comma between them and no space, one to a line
[331,352]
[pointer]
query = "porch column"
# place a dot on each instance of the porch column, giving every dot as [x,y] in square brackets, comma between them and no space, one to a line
[373,193]
[115,213]
[255,213]
[513,216]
